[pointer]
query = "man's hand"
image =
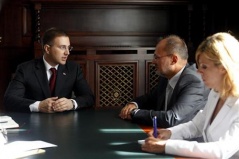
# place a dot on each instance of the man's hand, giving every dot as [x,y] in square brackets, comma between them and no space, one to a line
[126,110]
[46,106]
[62,104]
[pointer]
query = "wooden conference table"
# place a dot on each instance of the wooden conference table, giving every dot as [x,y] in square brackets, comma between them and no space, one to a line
[84,134]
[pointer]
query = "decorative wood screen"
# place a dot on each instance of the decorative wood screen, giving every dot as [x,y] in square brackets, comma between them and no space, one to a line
[152,77]
[116,83]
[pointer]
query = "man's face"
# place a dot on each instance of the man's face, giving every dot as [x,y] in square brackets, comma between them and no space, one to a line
[161,60]
[58,51]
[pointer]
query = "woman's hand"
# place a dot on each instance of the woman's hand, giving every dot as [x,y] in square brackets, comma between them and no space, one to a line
[154,145]
[163,134]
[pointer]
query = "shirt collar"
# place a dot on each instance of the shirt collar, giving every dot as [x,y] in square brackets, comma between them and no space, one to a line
[173,81]
[47,65]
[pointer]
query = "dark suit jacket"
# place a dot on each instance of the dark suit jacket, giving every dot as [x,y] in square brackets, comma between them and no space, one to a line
[30,84]
[188,97]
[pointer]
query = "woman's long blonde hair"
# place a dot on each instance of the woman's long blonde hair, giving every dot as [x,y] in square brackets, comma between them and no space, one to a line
[223,49]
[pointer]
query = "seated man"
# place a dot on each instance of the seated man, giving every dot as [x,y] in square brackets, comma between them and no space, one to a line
[186,96]
[32,90]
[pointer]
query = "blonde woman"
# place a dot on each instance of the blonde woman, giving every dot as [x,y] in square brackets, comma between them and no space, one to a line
[218,63]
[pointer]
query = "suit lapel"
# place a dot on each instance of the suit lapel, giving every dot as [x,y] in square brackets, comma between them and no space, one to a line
[222,114]
[172,100]
[162,92]
[211,106]
[62,73]
[41,76]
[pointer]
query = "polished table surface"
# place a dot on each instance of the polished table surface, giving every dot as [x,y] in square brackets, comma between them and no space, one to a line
[84,134]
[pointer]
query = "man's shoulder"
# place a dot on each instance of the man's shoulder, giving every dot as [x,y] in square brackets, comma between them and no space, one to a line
[191,69]
[190,73]
[29,63]
[191,66]
[71,65]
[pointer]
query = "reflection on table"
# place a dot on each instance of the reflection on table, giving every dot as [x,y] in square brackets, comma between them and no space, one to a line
[85,134]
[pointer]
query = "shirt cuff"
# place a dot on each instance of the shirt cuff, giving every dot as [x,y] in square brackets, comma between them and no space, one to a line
[75,104]
[34,107]
[135,104]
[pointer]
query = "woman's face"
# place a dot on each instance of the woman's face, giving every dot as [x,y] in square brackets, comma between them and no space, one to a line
[212,75]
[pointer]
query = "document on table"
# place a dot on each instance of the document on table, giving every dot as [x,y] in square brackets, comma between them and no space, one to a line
[141,142]
[19,149]
[7,122]
[2,139]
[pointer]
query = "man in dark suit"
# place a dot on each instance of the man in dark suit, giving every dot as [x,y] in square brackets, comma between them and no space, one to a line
[187,93]
[29,90]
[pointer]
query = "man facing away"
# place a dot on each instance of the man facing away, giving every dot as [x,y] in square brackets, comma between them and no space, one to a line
[29,90]
[179,94]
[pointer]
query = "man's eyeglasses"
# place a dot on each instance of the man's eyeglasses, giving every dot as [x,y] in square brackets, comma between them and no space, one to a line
[64,47]
[158,57]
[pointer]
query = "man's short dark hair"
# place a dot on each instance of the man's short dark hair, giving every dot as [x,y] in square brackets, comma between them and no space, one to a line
[51,34]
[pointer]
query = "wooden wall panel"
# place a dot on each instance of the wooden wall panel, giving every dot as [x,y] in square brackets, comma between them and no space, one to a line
[114,73]
[106,30]
[116,82]
[110,19]
[104,24]
[115,41]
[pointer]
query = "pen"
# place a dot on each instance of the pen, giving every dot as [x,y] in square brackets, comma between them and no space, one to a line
[155,126]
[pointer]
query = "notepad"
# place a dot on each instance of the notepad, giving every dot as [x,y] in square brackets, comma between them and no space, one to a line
[25,153]
[2,139]
[7,122]
[23,148]
[4,119]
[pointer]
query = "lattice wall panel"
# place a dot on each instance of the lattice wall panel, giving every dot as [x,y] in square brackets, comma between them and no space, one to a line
[152,77]
[116,84]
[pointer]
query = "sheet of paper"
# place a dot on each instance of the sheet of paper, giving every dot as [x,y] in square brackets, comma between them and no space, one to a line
[2,139]
[5,118]
[7,122]
[19,147]
[27,145]
[28,153]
